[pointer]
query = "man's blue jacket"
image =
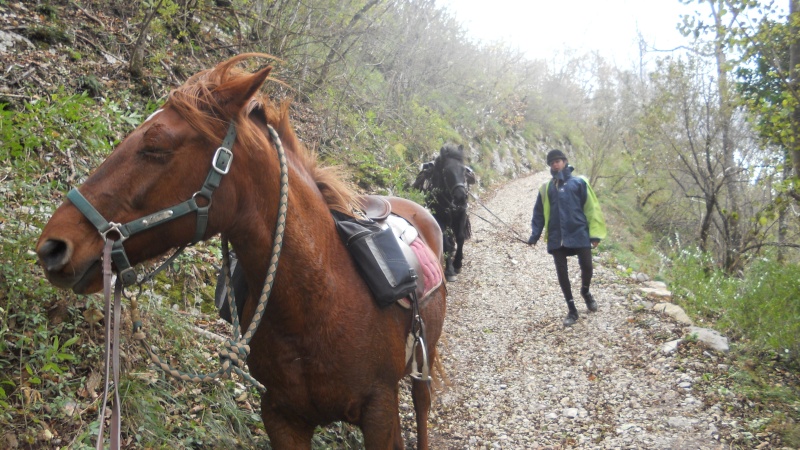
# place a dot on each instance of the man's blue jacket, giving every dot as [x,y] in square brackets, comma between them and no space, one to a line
[568,212]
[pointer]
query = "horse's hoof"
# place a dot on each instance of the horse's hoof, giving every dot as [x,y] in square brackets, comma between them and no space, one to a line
[450,277]
[458,269]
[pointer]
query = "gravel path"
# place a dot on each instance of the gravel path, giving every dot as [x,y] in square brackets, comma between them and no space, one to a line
[517,379]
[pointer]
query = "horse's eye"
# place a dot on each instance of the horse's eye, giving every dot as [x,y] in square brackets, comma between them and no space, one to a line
[157,143]
[156,154]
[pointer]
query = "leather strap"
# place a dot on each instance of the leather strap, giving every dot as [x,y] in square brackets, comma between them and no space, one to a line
[220,165]
[111,352]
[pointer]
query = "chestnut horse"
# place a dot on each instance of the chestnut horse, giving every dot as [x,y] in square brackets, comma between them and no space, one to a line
[324,351]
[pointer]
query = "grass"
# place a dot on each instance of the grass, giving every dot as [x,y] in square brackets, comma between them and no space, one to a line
[759,312]
[51,343]
[51,346]
[761,306]
[629,243]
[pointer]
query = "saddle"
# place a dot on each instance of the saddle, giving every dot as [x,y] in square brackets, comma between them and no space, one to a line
[396,233]
[375,208]
[417,255]
[388,252]
[418,259]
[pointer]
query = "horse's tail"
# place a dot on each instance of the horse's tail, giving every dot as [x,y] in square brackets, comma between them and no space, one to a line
[439,376]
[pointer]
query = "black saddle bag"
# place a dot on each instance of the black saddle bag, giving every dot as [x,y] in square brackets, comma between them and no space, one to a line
[379,258]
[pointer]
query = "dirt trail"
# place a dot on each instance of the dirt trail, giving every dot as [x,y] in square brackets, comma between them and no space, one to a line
[519,380]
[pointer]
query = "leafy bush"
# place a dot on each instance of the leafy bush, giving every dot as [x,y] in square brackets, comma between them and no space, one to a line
[50,339]
[768,306]
[760,307]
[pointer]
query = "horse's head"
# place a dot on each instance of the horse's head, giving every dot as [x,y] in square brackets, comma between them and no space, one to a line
[155,188]
[450,169]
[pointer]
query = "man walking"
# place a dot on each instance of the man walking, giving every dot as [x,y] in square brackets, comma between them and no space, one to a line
[568,212]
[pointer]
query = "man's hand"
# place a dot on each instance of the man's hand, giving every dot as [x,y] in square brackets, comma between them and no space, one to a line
[595,244]
[532,240]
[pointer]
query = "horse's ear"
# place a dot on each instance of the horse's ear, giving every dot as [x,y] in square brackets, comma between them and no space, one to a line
[461,147]
[235,94]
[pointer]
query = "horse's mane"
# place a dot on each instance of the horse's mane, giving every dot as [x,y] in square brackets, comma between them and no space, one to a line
[451,151]
[198,103]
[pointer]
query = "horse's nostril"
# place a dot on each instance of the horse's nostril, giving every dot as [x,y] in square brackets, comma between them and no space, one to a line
[54,254]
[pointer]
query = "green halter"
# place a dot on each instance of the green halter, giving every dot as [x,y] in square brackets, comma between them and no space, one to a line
[220,165]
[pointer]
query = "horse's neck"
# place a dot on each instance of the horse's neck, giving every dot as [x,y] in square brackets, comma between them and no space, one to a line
[305,259]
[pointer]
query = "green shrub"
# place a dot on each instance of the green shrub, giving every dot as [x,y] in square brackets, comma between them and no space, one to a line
[762,306]
[768,306]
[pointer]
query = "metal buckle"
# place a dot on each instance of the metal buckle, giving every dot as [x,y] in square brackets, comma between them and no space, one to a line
[114,226]
[128,276]
[224,170]
[201,194]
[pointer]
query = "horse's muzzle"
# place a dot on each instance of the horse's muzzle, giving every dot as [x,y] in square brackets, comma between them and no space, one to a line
[55,257]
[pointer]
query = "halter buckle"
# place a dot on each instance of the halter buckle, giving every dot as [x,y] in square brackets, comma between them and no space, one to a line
[227,155]
[114,226]
[128,276]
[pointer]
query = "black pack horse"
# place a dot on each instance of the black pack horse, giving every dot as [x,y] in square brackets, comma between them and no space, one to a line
[445,181]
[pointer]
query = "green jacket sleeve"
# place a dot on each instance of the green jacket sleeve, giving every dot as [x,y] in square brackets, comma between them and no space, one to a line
[597,224]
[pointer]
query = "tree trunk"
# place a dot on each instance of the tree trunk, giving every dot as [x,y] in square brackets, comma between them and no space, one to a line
[794,60]
[136,63]
[733,238]
[335,51]
[705,225]
[783,226]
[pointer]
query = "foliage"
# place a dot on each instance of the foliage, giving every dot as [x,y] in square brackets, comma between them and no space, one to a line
[758,311]
[392,82]
[38,322]
[759,308]
[629,243]
[63,126]
[39,338]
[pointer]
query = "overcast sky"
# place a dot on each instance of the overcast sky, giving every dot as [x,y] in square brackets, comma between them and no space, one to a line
[542,28]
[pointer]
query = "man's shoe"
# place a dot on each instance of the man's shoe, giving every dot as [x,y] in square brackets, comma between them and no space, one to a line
[572,317]
[591,305]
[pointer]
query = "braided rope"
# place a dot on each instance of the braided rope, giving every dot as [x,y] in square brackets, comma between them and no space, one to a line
[233,355]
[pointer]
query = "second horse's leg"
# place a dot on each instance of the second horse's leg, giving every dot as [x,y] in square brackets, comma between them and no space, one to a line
[449,250]
[459,257]
[461,232]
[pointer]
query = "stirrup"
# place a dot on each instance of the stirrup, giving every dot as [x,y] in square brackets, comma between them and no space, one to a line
[411,354]
[416,338]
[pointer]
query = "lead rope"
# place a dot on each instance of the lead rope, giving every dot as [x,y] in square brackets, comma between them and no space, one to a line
[111,351]
[516,234]
[233,355]
[235,351]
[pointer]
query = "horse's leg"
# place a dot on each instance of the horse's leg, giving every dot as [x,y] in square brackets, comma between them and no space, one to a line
[421,391]
[448,245]
[421,394]
[285,434]
[381,421]
[459,257]
[460,230]
[449,250]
